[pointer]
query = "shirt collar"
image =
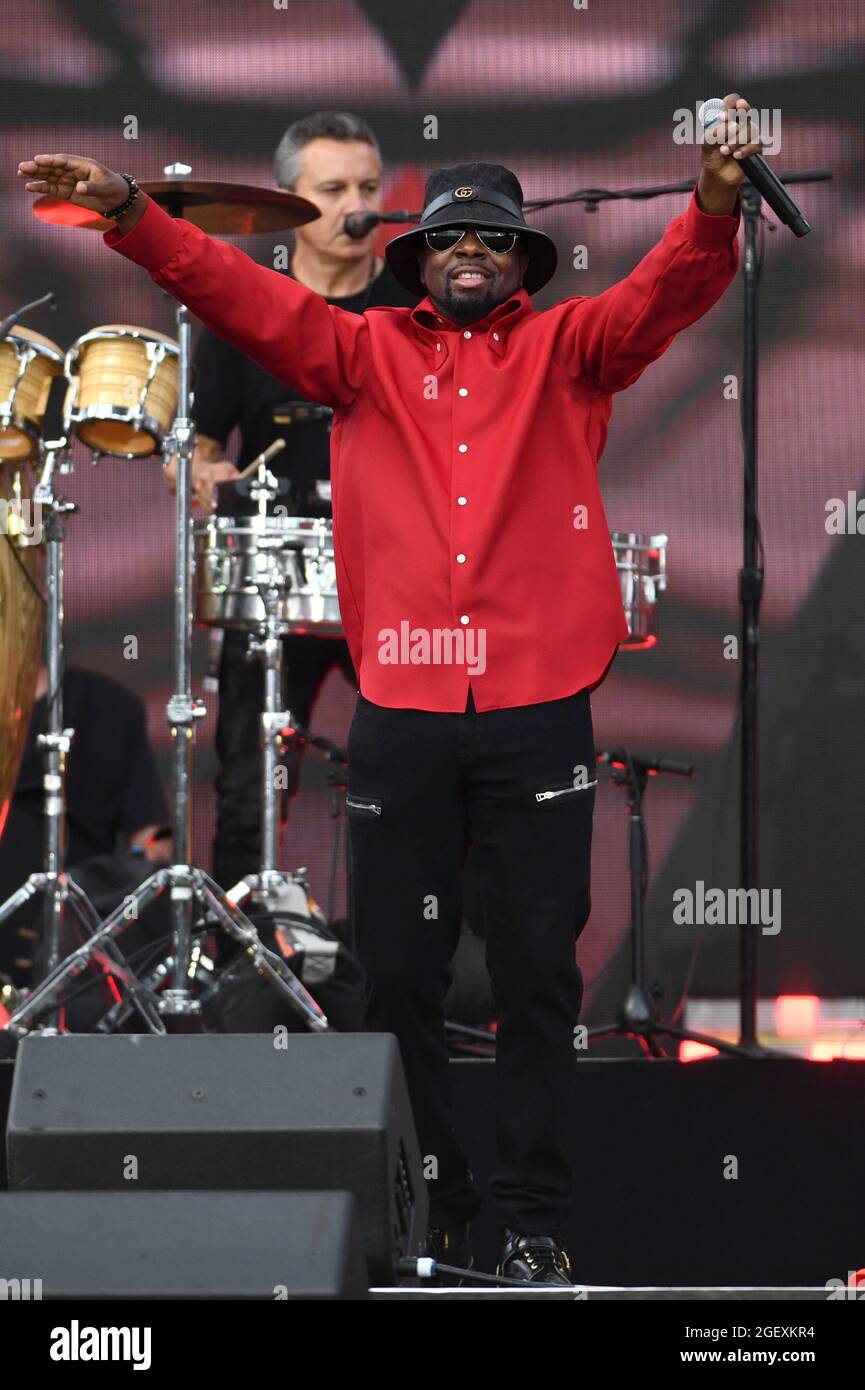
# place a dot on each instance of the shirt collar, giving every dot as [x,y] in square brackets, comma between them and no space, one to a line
[495,325]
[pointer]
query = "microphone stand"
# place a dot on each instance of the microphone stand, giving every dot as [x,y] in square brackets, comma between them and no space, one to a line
[640,1016]
[750,574]
[750,596]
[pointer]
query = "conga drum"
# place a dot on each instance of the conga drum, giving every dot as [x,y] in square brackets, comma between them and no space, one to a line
[22,612]
[123,389]
[28,365]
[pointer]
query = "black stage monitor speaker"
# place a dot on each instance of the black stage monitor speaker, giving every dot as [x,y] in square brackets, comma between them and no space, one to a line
[225,1112]
[235,1245]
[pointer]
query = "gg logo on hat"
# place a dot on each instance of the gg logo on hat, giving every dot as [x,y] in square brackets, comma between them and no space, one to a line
[465,192]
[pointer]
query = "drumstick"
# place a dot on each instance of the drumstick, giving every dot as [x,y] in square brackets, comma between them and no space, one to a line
[274,448]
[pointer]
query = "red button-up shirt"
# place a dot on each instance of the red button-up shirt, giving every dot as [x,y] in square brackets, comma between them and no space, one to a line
[471,543]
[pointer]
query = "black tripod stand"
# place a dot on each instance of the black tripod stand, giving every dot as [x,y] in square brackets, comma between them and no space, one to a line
[640,1015]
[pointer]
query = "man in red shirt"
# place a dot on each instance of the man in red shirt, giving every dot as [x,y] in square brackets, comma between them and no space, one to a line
[481,605]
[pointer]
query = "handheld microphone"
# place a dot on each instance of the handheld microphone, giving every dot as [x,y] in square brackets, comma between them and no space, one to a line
[767,184]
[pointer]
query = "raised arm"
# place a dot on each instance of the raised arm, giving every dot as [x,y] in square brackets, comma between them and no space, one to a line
[319,350]
[610,339]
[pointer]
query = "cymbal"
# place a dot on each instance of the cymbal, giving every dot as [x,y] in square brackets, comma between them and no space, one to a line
[233,209]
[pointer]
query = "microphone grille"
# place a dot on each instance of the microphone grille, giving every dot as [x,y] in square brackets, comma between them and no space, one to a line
[710,111]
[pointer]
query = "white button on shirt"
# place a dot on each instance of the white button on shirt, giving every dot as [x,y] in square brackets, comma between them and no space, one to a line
[461,559]
[463,391]
[462,501]
[464,618]
[463,448]
[467,334]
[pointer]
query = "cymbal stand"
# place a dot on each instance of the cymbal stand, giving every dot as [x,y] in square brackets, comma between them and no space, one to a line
[60,893]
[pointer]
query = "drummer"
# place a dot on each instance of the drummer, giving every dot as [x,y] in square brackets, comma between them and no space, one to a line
[333,159]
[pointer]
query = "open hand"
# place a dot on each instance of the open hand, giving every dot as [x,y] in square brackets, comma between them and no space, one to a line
[75,178]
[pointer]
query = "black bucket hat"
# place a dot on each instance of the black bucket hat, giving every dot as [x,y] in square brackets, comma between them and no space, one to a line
[486,195]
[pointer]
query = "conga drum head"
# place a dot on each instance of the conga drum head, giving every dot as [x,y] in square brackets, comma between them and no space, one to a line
[29,362]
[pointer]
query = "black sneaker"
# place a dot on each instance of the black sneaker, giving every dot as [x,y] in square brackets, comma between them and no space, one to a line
[451,1246]
[537,1259]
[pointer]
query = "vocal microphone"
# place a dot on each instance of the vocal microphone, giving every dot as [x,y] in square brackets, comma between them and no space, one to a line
[360,224]
[9,323]
[767,184]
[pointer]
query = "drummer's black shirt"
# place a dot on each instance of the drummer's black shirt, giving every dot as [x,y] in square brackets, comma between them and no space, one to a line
[231,389]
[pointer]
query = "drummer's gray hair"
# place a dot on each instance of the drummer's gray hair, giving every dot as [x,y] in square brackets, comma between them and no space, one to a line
[321,125]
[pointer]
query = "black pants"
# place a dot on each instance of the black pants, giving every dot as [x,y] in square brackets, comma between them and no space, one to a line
[422,787]
[237,844]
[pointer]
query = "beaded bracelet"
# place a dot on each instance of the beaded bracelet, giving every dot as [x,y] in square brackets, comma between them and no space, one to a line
[134,190]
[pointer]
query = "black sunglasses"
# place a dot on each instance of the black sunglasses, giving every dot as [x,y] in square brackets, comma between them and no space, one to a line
[449,237]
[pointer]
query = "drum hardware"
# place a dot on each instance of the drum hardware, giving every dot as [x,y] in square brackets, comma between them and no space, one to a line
[641,562]
[188,884]
[201,970]
[59,892]
[274,889]
[259,464]
[182,197]
[216,207]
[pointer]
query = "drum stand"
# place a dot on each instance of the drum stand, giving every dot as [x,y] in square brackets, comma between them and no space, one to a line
[275,889]
[61,893]
[187,885]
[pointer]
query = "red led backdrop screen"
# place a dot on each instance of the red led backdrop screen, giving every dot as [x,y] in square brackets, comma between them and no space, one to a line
[569,97]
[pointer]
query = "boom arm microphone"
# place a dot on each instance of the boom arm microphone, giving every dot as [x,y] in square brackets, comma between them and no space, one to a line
[767,184]
[360,224]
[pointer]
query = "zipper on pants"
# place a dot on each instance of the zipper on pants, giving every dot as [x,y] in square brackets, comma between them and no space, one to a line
[565,791]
